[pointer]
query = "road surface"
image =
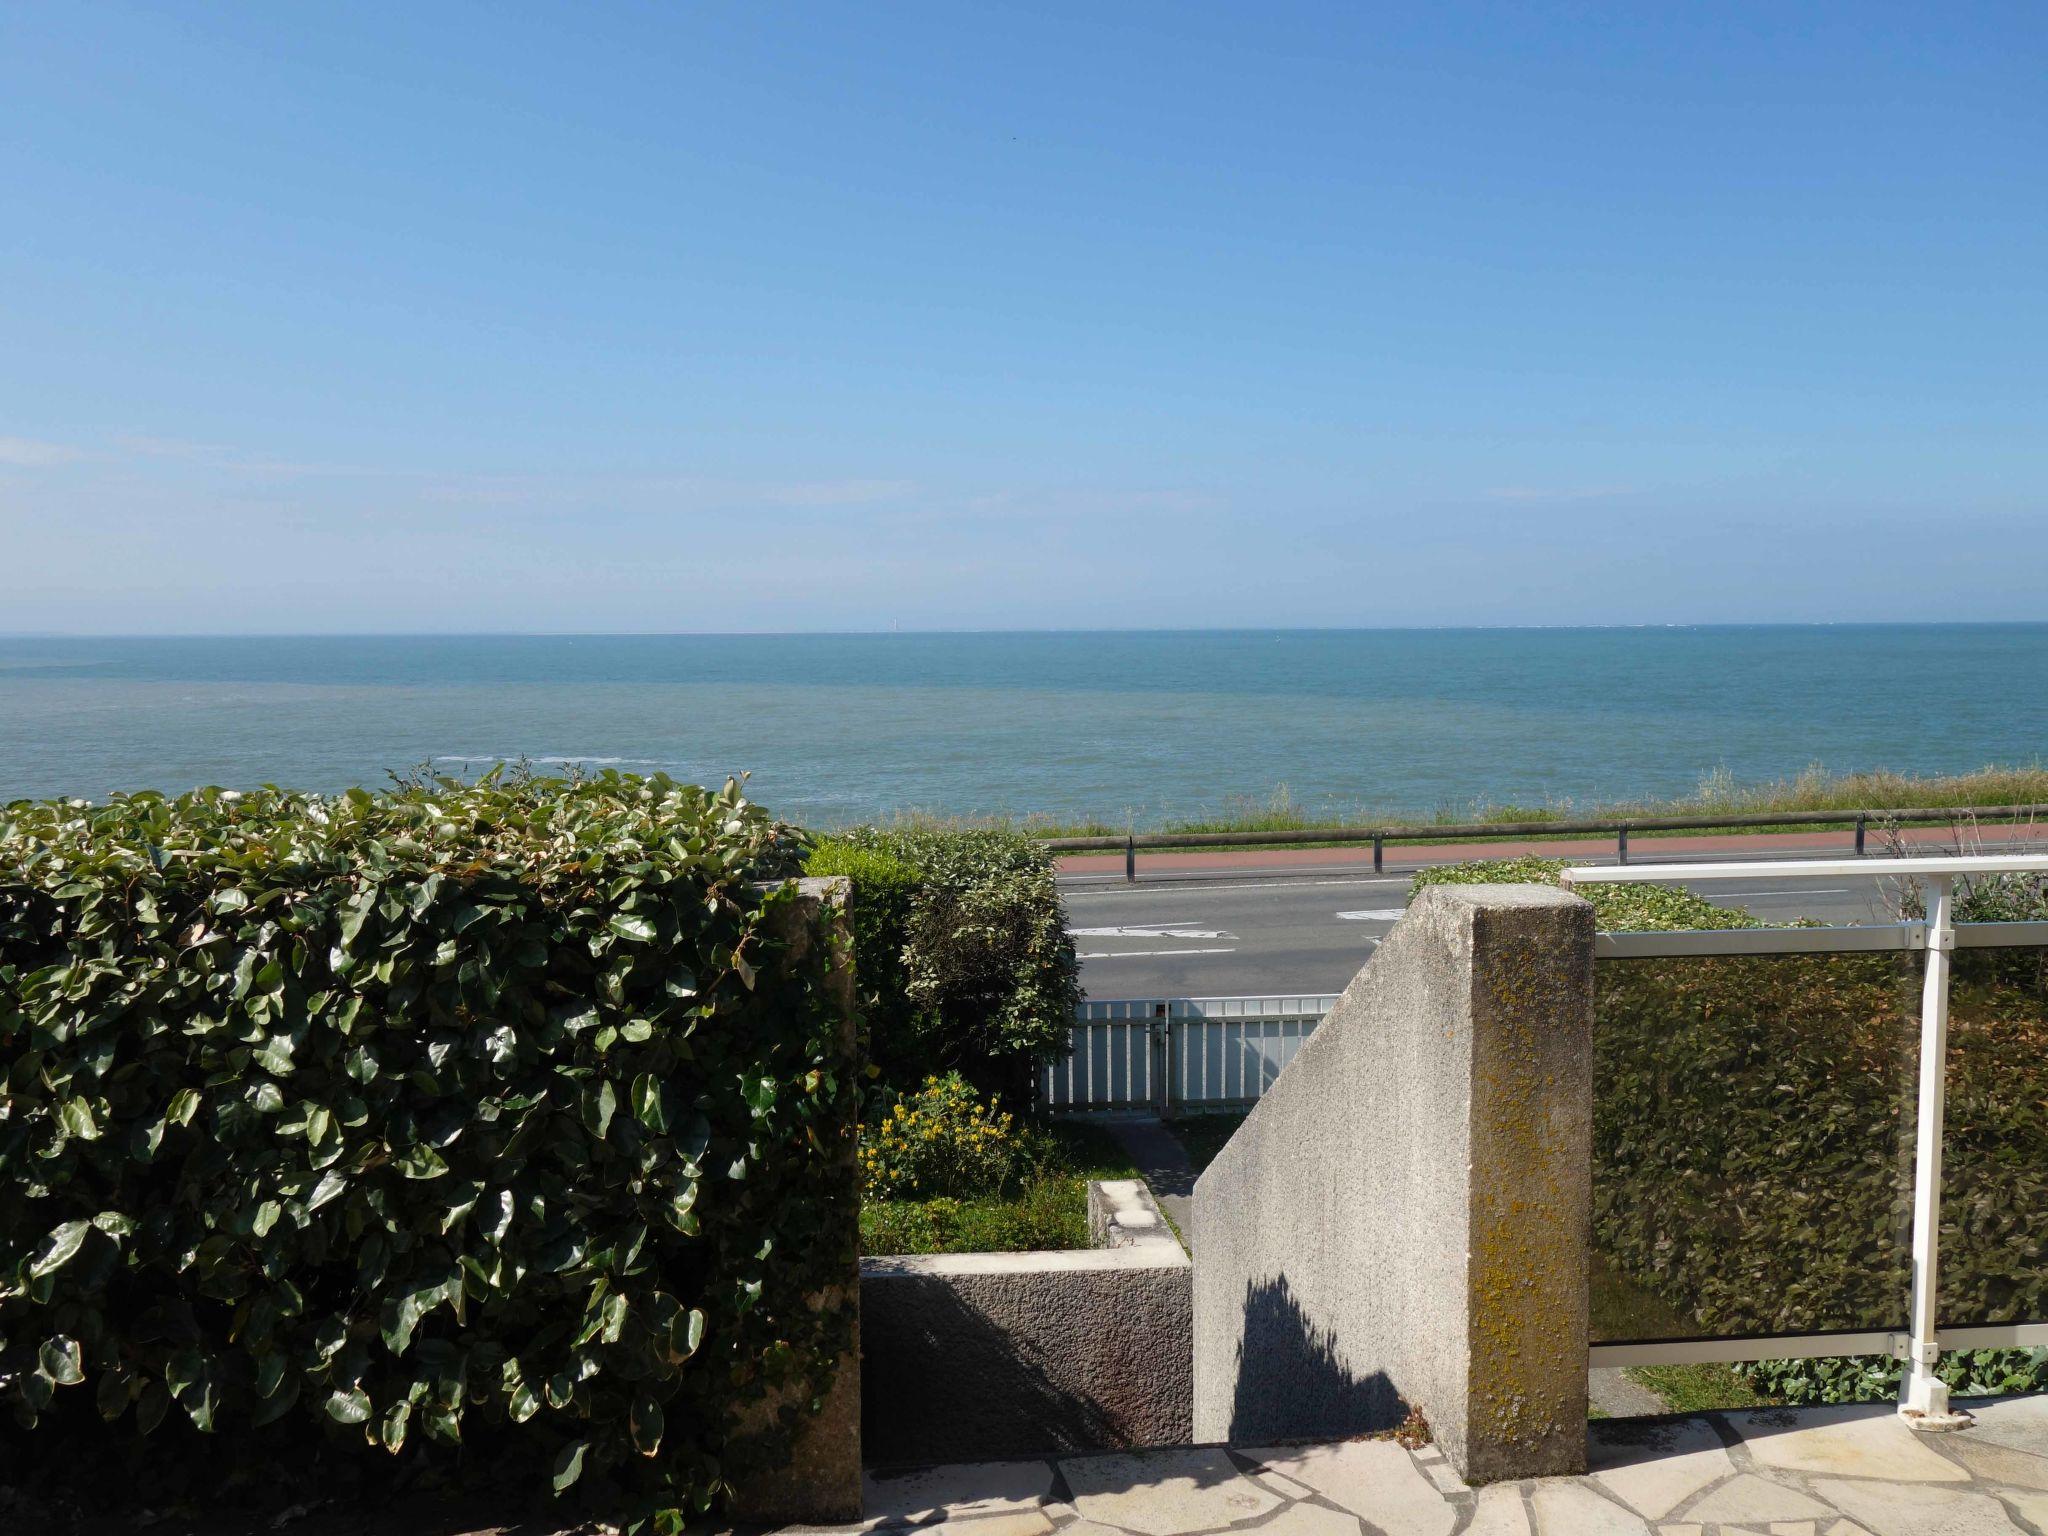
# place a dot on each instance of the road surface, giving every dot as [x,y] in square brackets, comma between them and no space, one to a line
[1249,932]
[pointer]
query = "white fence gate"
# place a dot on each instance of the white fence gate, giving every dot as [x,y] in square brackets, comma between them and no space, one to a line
[1175,1053]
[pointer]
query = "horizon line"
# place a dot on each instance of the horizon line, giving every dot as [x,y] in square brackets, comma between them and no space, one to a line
[793,634]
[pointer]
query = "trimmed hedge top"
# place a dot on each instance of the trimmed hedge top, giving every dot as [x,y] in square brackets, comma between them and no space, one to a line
[1625,908]
[964,956]
[514,1113]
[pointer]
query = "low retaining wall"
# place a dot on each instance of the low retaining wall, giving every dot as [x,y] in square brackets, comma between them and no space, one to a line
[981,1356]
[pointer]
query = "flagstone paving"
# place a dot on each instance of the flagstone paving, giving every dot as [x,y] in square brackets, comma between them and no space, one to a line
[1788,1472]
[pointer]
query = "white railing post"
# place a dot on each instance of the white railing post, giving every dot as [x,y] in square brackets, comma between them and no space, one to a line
[1923,1395]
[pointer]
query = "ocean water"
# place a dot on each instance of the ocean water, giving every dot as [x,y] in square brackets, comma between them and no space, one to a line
[1137,726]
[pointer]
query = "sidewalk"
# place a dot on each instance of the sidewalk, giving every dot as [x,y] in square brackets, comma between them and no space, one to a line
[1644,848]
[1781,1472]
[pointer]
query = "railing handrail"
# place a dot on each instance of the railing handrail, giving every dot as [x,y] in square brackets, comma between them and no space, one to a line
[1848,938]
[1922,868]
[1459,831]
[1226,998]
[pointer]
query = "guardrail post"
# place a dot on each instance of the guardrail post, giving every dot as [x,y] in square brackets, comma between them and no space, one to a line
[1621,845]
[1923,1395]
[1379,853]
[1131,859]
[1859,836]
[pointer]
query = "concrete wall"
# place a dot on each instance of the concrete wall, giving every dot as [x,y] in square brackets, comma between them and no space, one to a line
[1405,1218]
[981,1356]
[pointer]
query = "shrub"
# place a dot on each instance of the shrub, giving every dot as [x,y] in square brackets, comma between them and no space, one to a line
[2003,898]
[1876,1378]
[511,1116]
[941,1140]
[1626,908]
[968,967]
[1033,1196]
[884,889]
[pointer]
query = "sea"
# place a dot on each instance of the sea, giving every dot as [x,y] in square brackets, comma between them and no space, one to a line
[1132,728]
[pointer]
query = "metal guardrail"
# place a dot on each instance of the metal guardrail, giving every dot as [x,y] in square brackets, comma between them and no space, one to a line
[1923,1394]
[1617,827]
[1171,1054]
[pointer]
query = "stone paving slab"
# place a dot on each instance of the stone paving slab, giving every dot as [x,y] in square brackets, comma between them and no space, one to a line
[1784,1472]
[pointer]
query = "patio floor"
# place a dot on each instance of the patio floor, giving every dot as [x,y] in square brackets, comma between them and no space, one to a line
[1781,1472]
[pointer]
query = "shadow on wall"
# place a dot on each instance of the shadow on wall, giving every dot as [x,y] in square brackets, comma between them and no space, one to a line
[994,1395]
[1290,1383]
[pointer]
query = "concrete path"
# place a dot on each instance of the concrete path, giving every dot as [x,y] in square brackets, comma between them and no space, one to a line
[1806,1472]
[1162,1160]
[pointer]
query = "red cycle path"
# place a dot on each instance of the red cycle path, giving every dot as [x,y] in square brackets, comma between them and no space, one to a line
[1643,848]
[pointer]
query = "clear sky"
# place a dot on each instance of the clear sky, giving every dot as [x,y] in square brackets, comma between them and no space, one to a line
[676,316]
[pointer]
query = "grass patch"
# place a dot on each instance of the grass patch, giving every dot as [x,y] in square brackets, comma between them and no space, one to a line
[1046,1212]
[1700,1388]
[1718,794]
[1623,1310]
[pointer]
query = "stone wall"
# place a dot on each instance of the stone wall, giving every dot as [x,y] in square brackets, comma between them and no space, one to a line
[982,1356]
[1404,1220]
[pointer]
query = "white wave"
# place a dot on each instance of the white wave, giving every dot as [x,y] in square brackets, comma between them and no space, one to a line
[592,759]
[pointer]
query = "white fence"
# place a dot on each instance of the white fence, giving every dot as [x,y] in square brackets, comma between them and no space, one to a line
[1174,1053]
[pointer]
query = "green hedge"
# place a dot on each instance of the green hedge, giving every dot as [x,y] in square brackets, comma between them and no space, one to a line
[1753,1121]
[502,1126]
[964,959]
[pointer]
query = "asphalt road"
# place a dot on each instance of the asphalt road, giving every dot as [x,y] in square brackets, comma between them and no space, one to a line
[1250,933]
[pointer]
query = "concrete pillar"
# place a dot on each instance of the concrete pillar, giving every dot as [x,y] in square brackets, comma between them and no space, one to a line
[1405,1220]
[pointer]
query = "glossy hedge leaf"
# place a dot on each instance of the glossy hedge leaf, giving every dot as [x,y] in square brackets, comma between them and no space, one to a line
[151,1407]
[646,1422]
[114,1393]
[59,1360]
[569,1465]
[61,1249]
[348,1405]
[77,1119]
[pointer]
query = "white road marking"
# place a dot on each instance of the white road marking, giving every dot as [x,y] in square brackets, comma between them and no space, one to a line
[1373,915]
[1155,931]
[1147,954]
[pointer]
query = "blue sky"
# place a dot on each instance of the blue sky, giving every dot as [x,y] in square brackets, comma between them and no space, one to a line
[680,316]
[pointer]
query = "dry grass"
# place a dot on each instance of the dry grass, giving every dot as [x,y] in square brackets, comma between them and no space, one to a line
[1718,793]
